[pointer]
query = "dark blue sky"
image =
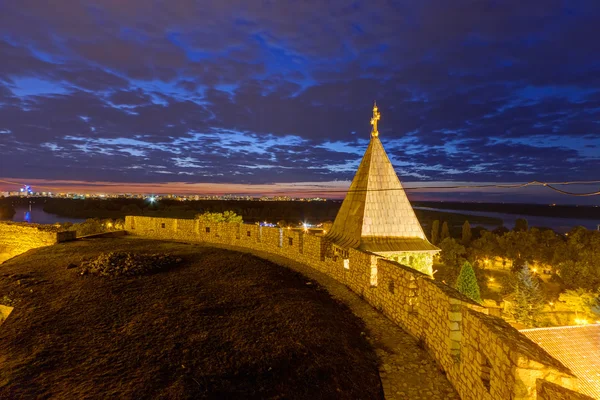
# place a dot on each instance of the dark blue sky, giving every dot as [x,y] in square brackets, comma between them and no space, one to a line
[281,91]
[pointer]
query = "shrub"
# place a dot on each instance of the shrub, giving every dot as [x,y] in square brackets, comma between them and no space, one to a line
[227,216]
[127,264]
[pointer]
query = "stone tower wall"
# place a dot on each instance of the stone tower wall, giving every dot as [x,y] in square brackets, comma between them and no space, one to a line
[483,356]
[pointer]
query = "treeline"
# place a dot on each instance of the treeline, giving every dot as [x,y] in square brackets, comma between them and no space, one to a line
[252,211]
[292,212]
[573,258]
[540,210]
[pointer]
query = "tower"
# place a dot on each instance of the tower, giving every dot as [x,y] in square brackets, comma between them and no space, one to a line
[376,215]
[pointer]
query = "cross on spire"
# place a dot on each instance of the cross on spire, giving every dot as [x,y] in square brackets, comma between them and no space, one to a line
[376,117]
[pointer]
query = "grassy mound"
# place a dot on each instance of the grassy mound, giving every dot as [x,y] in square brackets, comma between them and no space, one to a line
[222,325]
[127,264]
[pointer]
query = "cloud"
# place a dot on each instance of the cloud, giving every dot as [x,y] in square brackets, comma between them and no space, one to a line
[278,92]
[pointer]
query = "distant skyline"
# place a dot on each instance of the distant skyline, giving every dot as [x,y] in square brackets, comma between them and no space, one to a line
[263,97]
[332,190]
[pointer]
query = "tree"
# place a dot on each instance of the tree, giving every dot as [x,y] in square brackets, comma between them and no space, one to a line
[131,209]
[583,302]
[501,230]
[467,282]
[579,274]
[452,253]
[466,233]
[579,262]
[485,248]
[227,216]
[445,231]
[528,300]
[7,211]
[521,225]
[327,225]
[518,246]
[435,232]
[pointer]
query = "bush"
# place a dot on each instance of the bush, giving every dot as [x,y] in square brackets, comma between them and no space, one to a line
[127,264]
[227,216]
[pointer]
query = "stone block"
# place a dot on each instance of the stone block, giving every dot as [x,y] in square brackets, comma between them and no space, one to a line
[455,316]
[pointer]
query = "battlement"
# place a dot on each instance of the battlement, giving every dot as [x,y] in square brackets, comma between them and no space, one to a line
[482,356]
[19,237]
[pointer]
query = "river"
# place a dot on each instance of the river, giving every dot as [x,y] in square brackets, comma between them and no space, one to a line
[561,225]
[37,215]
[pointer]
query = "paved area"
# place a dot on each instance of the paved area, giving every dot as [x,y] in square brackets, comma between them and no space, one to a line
[406,370]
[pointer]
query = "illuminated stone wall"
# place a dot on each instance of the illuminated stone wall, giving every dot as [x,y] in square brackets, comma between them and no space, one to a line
[483,356]
[17,238]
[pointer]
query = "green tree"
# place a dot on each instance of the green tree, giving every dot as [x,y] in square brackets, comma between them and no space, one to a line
[579,259]
[583,302]
[131,209]
[484,249]
[453,253]
[445,231]
[7,211]
[466,233]
[227,216]
[467,282]
[518,246]
[435,232]
[521,225]
[528,300]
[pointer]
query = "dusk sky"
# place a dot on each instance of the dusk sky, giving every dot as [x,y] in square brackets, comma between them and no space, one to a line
[173,93]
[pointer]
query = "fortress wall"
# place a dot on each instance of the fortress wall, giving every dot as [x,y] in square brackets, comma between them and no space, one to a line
[483,356]
[17,238]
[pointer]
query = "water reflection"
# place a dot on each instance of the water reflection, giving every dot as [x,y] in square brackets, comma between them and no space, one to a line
[37,215]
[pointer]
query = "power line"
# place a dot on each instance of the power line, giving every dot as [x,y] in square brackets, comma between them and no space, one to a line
[549,185]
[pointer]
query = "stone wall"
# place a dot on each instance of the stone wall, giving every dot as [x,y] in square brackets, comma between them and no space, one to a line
[17,238]
[483,356]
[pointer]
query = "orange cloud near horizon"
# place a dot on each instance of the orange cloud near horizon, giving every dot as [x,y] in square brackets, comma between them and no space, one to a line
[301,189]
[432,191]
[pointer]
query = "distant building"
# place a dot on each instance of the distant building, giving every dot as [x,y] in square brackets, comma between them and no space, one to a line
[376,215]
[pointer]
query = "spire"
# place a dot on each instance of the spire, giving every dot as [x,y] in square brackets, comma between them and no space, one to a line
[376,215]
[374,120]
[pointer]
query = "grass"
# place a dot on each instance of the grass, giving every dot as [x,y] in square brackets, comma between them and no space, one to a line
[220,325]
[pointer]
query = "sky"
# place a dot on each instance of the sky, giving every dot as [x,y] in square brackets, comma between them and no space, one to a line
[238,96]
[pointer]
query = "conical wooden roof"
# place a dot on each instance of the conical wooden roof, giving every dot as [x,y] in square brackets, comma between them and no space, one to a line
[376,214]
